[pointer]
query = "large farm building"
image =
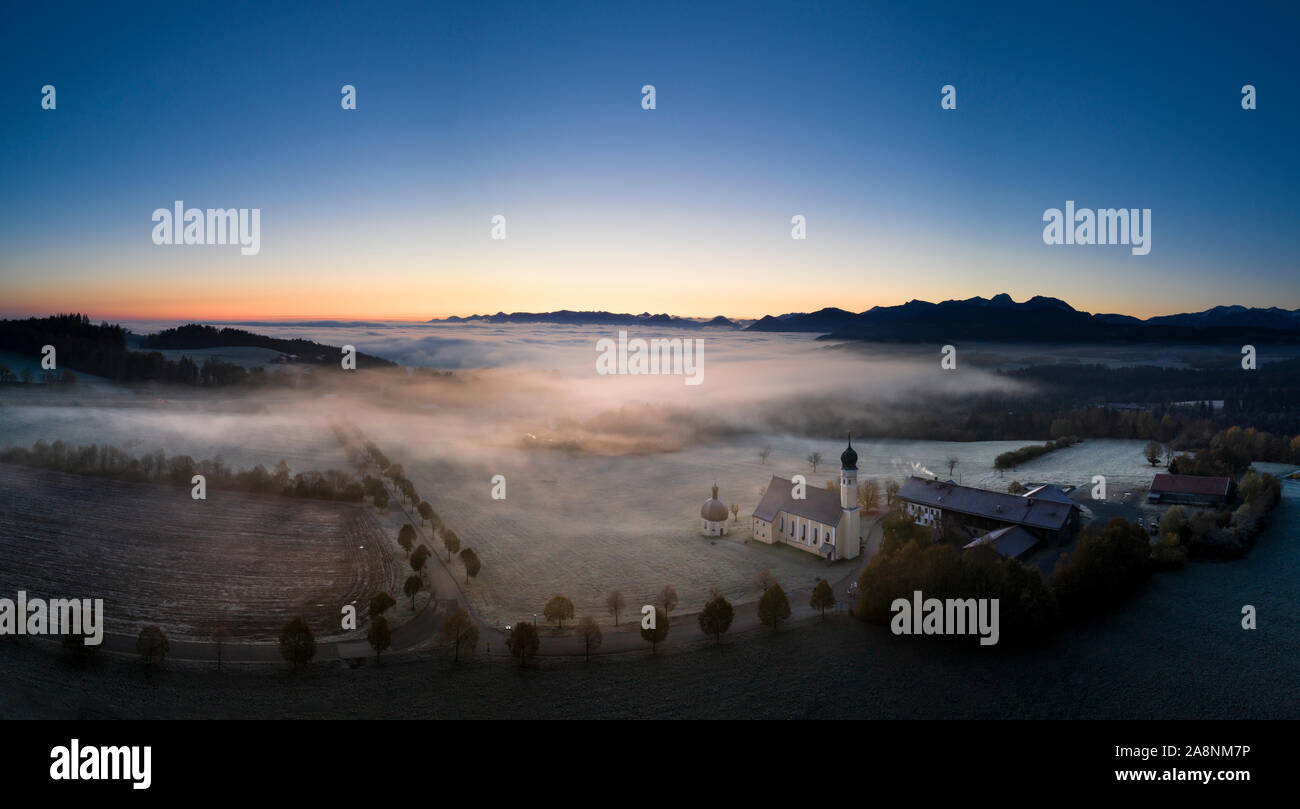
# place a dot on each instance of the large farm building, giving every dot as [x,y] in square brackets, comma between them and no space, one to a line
[1190,489]
[1043,512]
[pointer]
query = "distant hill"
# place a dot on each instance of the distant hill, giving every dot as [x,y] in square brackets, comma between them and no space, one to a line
[1270,318]
[195,336]
[571,318]
[102,350]
[1039,319]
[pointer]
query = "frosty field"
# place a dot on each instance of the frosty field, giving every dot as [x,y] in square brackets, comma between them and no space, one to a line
[604,475]
[246,562]
[572,523]
[582,525]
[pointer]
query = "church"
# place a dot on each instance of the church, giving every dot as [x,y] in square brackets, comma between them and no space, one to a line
[813,519]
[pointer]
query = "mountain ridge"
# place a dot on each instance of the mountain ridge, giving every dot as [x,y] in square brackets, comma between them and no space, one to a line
[1039,319]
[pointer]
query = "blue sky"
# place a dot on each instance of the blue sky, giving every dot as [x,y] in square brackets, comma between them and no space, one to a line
[532,110]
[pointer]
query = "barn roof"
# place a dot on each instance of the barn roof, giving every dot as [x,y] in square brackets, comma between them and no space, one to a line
[1038,512]
[1010,542]
[1190,484]
[1049,492]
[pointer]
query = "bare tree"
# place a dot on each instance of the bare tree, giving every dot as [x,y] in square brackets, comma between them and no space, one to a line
[814,458]
[219,637]
[891,491]
[869,495]
[763,453]
[953,460]
[615,603]
[589,631]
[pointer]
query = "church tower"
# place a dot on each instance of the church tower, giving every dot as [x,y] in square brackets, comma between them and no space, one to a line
[848,546]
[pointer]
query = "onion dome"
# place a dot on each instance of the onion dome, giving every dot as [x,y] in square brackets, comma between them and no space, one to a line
[849,458]
[714,510]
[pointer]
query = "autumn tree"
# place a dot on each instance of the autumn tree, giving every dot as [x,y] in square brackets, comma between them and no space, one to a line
[656,633]
[425,511]
[814,458]
[380,635]
[764,579]
[773,606]
[668,599]
[615,603]
[523,642]
[715,618]
[471,562]
[557,609]
[451,542]
[418,558]
[380,603]
[406,537]
[412,586]
[459,629]
[762,455]
[589,631]
[1153,450]
[823,597]
[152,645]
[297,642]
[735,513]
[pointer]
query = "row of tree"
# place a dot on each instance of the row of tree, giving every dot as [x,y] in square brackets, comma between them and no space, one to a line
[715,618]
[1015,457]
[367,456]
[179,470]
[62,379]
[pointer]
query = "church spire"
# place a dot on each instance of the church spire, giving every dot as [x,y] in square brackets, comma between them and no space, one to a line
[849,458]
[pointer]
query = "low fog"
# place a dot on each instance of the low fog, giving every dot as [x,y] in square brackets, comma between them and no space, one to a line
[605,473]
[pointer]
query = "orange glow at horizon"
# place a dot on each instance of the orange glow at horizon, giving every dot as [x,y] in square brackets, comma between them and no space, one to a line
[401,287]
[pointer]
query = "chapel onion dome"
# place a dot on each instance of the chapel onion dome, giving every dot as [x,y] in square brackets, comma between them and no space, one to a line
[849,458]
[714,510]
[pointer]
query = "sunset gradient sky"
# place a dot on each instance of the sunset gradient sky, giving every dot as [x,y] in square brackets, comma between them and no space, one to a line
[532,110]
